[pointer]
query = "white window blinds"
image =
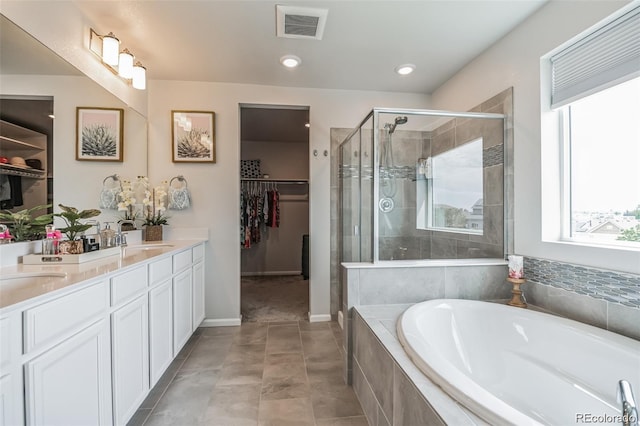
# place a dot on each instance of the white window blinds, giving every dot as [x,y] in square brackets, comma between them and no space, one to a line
[605,57]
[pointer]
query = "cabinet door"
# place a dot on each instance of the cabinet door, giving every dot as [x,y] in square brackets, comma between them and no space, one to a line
[181,310]
[71,383]
[11,399]
[160,330]
[130,340]
[198,294]
[11,394]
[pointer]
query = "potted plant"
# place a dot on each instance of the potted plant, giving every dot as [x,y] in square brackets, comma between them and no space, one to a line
[154,203]
[127,204]
[23,226]
[73,219]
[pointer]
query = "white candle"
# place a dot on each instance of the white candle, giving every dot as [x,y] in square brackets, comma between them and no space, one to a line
[516,266]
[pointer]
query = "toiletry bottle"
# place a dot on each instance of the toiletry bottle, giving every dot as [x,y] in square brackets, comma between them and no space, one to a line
[57,237]
[48,246]
[107,236]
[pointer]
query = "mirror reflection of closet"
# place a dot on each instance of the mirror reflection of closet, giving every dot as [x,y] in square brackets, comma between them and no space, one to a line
[29,73]
[275,262]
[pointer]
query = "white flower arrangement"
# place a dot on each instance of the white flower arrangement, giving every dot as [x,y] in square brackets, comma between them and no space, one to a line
[127,200]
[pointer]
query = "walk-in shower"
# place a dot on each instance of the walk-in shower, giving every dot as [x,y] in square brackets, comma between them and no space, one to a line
[423,184]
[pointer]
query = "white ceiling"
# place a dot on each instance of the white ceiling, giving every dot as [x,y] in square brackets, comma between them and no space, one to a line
[235,41]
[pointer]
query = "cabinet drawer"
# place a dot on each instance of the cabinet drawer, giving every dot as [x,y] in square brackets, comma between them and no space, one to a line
[198,253]
[181,260]
[160,270]
[54,320]
[129,284]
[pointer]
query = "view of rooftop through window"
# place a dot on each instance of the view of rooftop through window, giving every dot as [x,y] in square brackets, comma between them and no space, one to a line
[605,166]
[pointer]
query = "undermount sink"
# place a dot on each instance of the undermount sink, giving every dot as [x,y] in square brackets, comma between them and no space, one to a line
[19,279]
[143,247]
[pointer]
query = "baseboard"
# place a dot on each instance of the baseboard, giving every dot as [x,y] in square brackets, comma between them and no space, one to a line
[223,322]
[269,273]
[319,318]
[340,320]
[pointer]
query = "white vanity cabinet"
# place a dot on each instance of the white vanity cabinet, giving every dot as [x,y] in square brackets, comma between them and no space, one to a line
[90,354]
[67,372]
[129,342]
[160,318]
[11,395]
[198,286]
[70,384]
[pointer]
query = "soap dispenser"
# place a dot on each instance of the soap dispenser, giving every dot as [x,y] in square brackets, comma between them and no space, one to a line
[107,236]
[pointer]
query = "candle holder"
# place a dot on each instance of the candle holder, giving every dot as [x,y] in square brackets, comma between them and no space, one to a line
[517,298]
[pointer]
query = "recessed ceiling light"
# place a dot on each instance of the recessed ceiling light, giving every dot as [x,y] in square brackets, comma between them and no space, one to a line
[405,69]
[290,61]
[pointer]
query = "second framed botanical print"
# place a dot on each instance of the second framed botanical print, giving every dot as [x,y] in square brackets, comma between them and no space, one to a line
[193,136]
[99,134]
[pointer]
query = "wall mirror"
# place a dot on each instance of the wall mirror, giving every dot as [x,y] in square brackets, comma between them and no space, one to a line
[29,71]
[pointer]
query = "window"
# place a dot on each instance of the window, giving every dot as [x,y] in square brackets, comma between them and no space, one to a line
[450,196]
[602,143]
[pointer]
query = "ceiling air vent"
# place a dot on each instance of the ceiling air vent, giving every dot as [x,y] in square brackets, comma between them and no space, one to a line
[300,22]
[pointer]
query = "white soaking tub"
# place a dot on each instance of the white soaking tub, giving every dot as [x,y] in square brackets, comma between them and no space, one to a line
[516,366]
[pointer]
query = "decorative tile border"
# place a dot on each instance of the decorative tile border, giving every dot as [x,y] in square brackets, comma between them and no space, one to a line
[615,287]
[493,156]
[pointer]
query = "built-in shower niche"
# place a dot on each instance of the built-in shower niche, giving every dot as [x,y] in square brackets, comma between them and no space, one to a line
[436,190]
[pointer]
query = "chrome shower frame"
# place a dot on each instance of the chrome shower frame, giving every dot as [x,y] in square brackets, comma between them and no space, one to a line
[375,113]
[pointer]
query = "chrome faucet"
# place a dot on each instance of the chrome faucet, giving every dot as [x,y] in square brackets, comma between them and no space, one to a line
[629,407]
[121,239]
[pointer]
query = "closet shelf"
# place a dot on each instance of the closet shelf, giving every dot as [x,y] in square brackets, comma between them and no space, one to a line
[282,181]
[7,169]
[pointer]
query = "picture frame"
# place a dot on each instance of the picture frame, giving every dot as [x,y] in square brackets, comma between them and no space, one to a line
[193,136]
[99,134]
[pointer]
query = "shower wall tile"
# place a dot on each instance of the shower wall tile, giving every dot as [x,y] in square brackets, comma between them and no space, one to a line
[494,104]
[624,320]
[473,250]
[444,127]
[443,248]
[477,283]
[376,362]
[493,192]
[398,222]
[468,130]
[443,142]
[399,248]
[568,304]
[409,406]
[383,286]
[492,133]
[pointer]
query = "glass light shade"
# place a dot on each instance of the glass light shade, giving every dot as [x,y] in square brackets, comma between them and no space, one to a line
[139,77]
[125,65]
[110,49]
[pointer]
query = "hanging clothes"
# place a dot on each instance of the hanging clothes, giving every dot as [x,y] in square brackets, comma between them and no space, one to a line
[259,209]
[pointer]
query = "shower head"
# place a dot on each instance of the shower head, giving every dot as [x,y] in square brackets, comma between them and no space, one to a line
[398,121]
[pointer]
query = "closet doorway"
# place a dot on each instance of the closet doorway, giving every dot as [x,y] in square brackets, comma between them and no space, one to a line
[274,207]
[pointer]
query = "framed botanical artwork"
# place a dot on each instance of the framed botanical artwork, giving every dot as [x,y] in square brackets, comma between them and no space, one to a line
[99,134]
[193,136]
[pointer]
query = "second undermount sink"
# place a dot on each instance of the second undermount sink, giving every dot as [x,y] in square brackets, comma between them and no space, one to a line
[142,247]
[26,278]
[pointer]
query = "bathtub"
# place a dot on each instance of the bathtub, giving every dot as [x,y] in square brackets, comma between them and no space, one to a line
[516,366]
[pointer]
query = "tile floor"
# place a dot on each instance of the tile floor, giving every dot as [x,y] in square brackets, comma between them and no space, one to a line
[261,373]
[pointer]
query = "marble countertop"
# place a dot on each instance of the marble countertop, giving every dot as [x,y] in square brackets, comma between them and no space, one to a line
[43,281]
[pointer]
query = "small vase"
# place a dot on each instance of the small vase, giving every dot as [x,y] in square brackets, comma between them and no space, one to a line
[70,247]
[153,233]
[127,227]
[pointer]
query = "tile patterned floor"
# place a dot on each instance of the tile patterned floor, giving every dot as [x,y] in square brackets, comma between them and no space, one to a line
[259,374]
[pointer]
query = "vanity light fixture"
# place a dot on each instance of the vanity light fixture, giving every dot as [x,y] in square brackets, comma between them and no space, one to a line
[110,49]
[290,61]
[125,64]
[121,63]
[139,75]
[405,69]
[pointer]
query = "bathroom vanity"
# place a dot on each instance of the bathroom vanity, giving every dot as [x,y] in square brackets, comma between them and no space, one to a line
[84,344]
